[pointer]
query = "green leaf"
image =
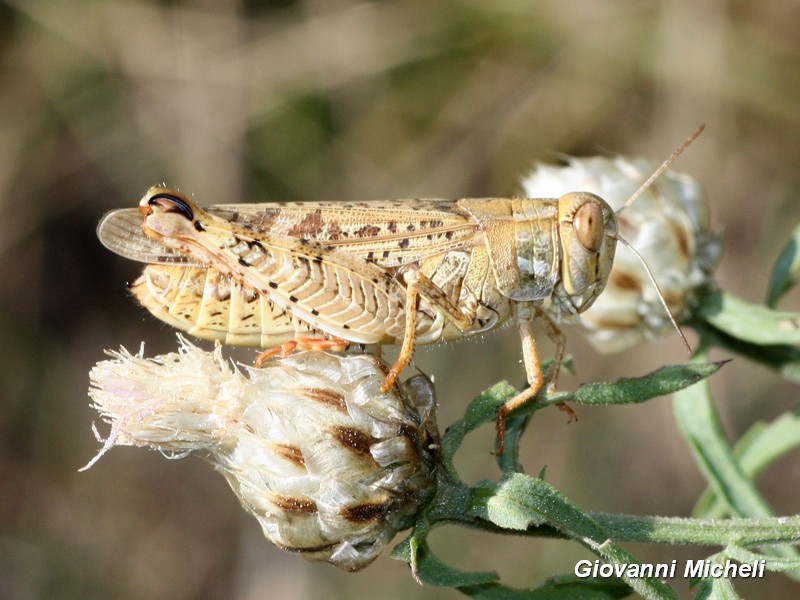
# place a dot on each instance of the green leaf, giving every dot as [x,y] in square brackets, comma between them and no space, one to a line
[783,358]
[773,563]
[715,588]
[786,272]
[756,450]
[434,572]
[747,532]
[699,423]
[660,382]
[750,322]
[718,588]
[519,501]
[429,569]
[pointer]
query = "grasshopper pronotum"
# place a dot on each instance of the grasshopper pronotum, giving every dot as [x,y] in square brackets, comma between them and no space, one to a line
[378,272]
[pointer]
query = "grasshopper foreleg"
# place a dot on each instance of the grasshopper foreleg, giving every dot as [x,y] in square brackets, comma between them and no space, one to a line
[533,368]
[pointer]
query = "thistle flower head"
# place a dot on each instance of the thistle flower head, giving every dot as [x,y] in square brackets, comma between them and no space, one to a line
[668,225]
[330,466]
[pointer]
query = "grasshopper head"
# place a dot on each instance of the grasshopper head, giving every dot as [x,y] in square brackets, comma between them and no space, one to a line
[588,236]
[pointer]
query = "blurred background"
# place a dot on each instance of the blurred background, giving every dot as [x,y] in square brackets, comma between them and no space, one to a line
[242,100]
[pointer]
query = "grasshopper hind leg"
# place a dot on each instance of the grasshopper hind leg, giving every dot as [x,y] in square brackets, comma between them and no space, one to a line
[407,349]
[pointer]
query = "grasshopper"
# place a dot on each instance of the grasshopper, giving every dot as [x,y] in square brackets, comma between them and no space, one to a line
[325,274]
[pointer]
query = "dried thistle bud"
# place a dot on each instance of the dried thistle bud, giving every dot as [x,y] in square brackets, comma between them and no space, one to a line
[668,225]
[330,466]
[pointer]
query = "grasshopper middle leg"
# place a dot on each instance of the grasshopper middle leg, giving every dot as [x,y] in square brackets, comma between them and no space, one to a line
[419,285]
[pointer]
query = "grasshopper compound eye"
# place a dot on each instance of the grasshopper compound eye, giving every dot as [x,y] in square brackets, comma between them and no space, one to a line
[589,226]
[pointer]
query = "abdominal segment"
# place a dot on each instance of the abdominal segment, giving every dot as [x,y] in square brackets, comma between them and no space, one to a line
[210,305]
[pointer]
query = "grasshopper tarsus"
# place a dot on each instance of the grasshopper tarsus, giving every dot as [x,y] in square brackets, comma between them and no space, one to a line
[300,344]
[391,380]
[500,432]
[572,416]
[506,409]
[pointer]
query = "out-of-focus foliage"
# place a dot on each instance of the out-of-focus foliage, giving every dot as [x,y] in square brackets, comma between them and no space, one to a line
[322,100]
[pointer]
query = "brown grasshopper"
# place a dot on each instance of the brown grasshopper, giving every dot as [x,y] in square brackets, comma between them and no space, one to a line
[325,274]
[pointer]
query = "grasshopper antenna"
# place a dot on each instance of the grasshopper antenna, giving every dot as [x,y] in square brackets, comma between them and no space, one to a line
[656,174]
[659,292]
[664,166]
